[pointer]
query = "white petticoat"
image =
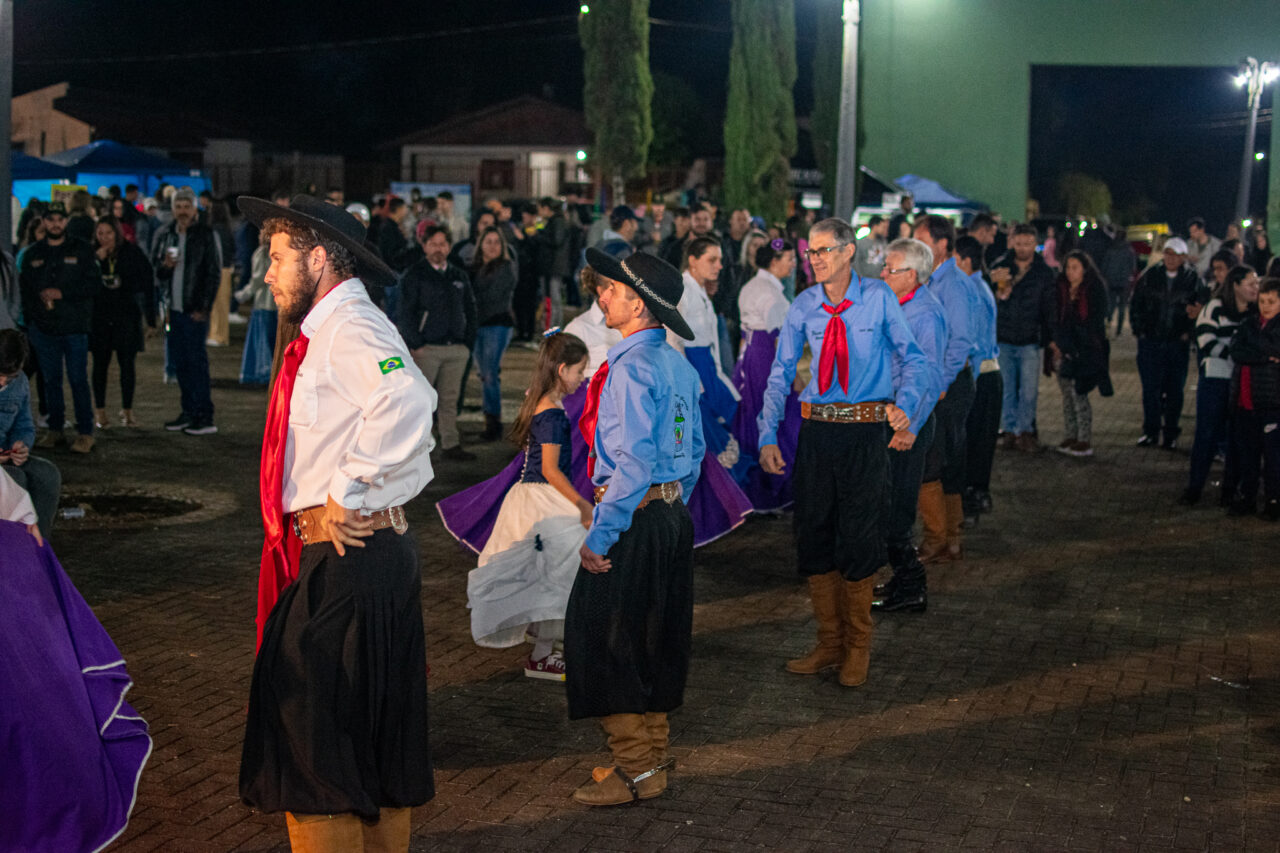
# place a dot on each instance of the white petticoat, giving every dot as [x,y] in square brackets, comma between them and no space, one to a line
[527,567]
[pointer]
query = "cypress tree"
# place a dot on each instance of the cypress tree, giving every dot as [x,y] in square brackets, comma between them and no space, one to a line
[760,120]
[618,88]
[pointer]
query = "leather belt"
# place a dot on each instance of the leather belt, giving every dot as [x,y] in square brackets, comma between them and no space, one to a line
[669,492]
[845,413]
[989,365]
[309,527]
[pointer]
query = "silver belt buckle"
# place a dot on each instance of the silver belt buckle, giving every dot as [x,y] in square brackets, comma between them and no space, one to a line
[399,523]
[880,412]
[297,531]
[827,411]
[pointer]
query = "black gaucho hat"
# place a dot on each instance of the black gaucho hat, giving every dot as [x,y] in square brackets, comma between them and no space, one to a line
[330,223]
[657,282]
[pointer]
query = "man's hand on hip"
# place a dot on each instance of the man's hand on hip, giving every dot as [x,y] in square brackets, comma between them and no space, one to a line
[345,526]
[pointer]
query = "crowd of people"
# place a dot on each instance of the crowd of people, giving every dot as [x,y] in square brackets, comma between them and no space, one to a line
[681,382]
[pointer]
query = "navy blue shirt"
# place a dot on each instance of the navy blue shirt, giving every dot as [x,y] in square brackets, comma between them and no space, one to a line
[547,427]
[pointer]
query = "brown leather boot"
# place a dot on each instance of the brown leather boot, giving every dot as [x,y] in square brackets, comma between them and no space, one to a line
[857,631]
[954,505]
[933,520]
[630,777]
[825,592]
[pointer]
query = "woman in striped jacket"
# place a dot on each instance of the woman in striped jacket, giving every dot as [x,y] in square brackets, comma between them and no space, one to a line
[1215,326]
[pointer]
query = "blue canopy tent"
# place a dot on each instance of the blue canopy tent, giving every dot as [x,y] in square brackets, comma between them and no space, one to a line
[32,176]
[106,162]
[928,193]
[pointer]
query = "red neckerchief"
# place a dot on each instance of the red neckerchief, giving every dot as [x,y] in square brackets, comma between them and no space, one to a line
[903,300]
[280,551]
[590,412]
[835,349]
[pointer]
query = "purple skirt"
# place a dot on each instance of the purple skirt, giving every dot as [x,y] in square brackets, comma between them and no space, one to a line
[750,376]
[74,748]
[717,505]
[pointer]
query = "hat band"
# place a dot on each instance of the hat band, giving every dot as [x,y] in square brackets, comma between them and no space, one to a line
[641,286]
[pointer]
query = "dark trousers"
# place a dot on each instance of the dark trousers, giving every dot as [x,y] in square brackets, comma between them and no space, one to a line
[946,458]
[525,305]
[128,376]
[906,470]
[1258,450]
[1162,367]
[842,498]
[73,350]
[981,429]
[628,631]
[1212,405]
[191,363]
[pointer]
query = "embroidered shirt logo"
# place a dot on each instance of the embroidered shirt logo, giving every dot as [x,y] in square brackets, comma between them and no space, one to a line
[680,407]
[390,364]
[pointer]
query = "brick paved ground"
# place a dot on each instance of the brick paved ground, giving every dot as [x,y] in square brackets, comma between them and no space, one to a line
[1099,674]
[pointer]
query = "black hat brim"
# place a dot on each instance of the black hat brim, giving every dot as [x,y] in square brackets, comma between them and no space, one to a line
[369,267]
[667,313]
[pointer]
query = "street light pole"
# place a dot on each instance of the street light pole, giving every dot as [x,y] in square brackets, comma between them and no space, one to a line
[1255,75]
[847,141]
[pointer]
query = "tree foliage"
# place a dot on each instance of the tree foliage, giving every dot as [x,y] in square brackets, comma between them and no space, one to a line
[760,120]
[618,88]
[1083,195]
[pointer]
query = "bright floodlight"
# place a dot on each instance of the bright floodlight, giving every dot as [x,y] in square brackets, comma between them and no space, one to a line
[584,8]
[1241,79]
[1247,222]
[582,155]
[1259,155]
[1270,74]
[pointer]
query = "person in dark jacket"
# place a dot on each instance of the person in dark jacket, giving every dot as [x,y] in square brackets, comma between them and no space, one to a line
[1166,300]
[438,322]
[493,278]
[1255,392]
[80,217]
[554,262]
[59,278]
[1079,348]
[525,303]
[127,295]
[1119,263]
[1024,309]
[188,265]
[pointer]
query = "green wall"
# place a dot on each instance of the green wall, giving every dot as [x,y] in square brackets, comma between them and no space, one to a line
[946,84]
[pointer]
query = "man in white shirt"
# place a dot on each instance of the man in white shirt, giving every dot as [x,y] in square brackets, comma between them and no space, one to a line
[336,734]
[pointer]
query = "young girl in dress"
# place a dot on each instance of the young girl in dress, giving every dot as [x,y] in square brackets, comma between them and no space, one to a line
[525,572]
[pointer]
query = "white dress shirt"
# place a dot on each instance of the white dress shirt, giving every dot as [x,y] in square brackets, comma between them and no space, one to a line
[589,326]
[696,309]
[360,414]
[15,503]
[762,303]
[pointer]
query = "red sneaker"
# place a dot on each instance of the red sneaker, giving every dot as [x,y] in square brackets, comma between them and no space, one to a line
[550,668]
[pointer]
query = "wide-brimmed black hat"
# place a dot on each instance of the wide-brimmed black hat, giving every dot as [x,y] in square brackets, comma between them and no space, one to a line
[657,282]
[330,223]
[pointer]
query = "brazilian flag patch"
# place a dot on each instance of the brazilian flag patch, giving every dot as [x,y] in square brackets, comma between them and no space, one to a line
[390,364]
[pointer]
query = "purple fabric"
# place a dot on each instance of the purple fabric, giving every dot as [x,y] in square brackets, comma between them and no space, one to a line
[750,376]
[717,505]
[74,749]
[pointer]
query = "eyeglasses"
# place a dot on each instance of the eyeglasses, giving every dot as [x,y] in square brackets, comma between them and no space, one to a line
[824,251]
[888,271]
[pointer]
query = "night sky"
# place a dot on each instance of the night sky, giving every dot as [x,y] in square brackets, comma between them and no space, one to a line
[1167,140]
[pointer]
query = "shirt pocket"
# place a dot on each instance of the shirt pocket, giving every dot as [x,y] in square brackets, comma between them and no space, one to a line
[304,404]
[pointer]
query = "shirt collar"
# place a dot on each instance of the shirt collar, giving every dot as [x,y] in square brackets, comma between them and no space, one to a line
[854,294]
[631,341]
[329,303]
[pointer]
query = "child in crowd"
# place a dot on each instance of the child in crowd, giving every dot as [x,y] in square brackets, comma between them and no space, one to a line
[521,584]
[38,477]
[1255,392]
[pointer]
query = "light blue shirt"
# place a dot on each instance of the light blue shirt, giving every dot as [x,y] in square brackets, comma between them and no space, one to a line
[877,334]
[648,431]
[953,290]
[928,325]
[984,334]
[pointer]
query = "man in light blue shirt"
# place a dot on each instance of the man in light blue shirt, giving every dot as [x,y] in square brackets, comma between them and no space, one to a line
[983,425]
[941,511]
[856,331]
[629,621]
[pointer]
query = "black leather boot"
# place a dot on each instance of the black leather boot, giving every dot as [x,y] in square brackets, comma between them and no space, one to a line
[908,590]
[492,428]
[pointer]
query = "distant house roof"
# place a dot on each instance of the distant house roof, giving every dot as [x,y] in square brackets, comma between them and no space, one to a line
[137,120]
[526,121]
